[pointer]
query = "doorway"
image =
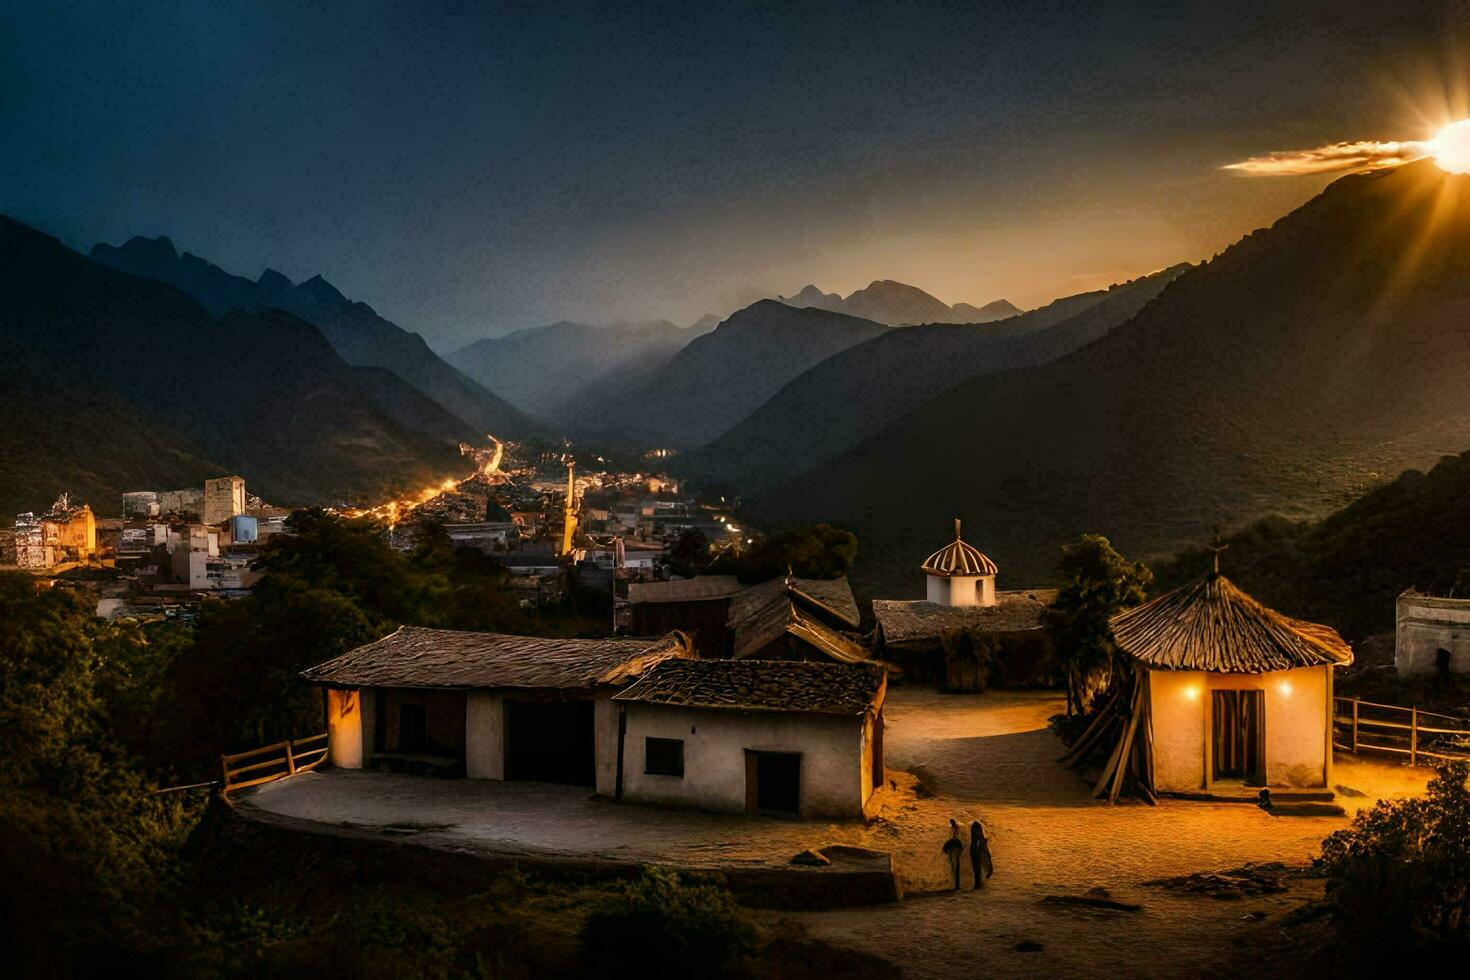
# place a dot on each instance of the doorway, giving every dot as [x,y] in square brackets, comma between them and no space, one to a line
[550,741]
[773,782]
[1239,736]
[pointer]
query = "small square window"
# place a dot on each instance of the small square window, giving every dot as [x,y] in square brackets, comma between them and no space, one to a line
[663,757]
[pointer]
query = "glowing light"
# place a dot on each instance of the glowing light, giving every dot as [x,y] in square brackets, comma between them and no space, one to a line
[1191,692]
[1285,688]
[1451,147]
[1355,155]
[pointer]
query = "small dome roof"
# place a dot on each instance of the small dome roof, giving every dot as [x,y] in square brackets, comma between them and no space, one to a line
[958,558]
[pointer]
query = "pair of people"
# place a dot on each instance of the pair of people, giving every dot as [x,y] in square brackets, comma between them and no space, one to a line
[980,863]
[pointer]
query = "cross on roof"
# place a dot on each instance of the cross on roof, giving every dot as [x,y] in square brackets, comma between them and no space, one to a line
[1217,545]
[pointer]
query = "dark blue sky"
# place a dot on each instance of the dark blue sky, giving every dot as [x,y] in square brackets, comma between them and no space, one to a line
[471,168]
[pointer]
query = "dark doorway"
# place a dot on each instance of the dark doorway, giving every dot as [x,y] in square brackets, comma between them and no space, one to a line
[550,741]
[1239,729]
[773,781]
[413,727]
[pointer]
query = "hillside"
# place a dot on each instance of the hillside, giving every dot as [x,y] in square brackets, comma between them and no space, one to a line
[1347,569]
[544,370]
[721,377]
[898,304]
[355,330]
[262,394]
[1283,376]
[816,417]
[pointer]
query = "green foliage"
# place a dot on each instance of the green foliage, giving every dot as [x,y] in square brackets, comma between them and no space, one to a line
[1097,583]
[661,926]
[1399,878]
[818,551]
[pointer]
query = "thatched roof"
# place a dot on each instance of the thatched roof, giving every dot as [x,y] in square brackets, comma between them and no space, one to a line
[919,623]
[698,589]
[413,656]
[832,597]
[762,685]
[958,558]
[1212,625]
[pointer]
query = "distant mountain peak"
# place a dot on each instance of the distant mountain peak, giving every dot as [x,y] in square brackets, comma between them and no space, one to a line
[271,279]
[892,302]
[318,290]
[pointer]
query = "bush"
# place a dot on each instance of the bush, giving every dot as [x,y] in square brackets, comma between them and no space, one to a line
[662,926]
[1399,878]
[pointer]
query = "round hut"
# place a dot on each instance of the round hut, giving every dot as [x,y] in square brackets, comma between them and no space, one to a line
[1225,694]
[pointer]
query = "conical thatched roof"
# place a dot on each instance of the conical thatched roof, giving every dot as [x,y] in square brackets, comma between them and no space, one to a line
[1212,625]
[958,558]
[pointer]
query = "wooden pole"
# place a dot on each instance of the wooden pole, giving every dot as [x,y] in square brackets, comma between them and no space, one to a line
[290,759]
[1414,735]
[1355,726]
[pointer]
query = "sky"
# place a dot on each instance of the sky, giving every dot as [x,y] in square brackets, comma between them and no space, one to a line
[475,168]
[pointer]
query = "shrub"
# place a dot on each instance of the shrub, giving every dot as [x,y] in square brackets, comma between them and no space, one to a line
[1399,877]
[663,926]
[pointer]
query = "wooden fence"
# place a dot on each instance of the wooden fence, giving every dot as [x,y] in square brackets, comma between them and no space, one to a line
[1423,736]
[272,762]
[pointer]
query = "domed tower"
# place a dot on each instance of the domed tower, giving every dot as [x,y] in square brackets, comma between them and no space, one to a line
[959,575]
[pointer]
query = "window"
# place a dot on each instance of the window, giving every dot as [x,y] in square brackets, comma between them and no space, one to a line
[663,757]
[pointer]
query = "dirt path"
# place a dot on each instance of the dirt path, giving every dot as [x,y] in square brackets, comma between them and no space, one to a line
[993,758]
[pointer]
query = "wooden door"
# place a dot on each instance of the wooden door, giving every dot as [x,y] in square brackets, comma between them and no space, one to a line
[1239,736]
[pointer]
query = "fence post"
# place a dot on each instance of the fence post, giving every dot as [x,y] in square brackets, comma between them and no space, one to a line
[1355,725]
[1414,735]
[290,759]
[224,775]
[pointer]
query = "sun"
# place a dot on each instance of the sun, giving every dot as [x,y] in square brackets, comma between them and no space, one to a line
[1451,147]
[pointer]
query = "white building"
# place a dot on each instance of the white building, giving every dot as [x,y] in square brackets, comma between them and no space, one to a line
[224,497]
[1431,635]
[1227,693]
[751,736]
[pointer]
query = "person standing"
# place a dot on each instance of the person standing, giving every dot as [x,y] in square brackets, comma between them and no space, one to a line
[980,862]
[954,848]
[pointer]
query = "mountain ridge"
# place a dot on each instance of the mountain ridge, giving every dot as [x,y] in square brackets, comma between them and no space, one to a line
[898,304]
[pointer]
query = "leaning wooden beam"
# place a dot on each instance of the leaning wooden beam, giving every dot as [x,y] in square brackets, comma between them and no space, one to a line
[1090,735]
[1126,747]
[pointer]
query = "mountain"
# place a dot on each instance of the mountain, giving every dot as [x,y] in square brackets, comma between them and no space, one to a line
[358,333]
[544,370]
[1283,376]
[169,386]
[1347,569]
[719,378]
[815,417]
[898,304]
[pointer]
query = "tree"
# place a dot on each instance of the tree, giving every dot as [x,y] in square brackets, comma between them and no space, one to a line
[818,551]
[1097,584]
[690,554]
[1399,877]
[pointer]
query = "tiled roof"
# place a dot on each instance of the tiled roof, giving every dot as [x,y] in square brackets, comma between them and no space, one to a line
[762,685]
[782,616]
[416,657]
[904,622]
[958,558]
[1212,625]
[696,589]
[830,596]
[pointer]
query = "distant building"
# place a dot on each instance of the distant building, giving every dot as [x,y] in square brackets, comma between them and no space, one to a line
[698,606]
[1431,635]
[64,533]
[186,502]
[485,535]
[748,736]
[140,503]
[796,619]
[224,497]
[243,529]
[962,603]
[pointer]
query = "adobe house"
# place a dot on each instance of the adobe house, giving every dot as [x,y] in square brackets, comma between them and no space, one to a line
[1431,635]
[796,619]
[697,606]
[1226,694]
[485,705]
[961,597]
[779,737]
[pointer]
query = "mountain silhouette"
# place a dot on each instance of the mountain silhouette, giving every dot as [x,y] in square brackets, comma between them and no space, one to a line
[898,304]
[834,405]
[544,370]
[355,330]
[1283,376]
[263,394]
[719,378]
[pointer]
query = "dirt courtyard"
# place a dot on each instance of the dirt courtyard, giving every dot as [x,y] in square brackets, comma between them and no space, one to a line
[990,757]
